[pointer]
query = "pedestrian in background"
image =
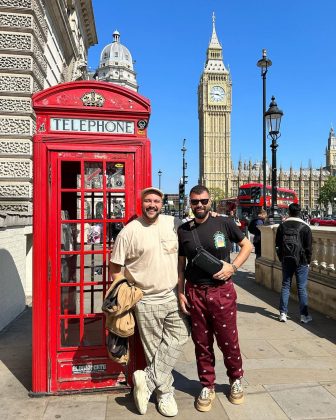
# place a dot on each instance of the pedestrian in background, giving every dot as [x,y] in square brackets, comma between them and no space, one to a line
[210,299]
[293,244]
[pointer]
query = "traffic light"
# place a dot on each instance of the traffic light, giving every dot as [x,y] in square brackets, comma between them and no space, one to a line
[165,199]
[181,190]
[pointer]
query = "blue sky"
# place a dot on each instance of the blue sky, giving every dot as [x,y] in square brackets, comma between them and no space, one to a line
[168,40]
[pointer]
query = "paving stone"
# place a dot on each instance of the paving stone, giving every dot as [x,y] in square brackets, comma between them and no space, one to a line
[302,348]
[76,407]
[19,408]
[258,405]
[304,401]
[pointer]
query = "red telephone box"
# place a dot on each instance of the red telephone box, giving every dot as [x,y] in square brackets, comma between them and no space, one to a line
[91,160]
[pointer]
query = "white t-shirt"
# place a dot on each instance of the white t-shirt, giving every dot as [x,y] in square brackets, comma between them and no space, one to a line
[149,254]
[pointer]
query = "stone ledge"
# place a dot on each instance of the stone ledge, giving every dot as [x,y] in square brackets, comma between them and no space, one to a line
[11,219]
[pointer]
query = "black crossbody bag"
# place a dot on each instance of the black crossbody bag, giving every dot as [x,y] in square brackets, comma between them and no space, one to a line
[203,259]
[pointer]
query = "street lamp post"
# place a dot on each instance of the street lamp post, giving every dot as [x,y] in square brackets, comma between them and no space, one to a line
[159,173]
[264,63]
[273,117]
[183,181]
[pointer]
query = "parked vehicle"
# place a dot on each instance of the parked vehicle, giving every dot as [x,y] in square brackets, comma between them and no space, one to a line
[323,221]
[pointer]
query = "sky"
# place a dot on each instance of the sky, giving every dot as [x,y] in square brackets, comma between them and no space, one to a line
[168,41]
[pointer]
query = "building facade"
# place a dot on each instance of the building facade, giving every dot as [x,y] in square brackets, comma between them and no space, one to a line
[216,169]
[42,43]
[214,114]
[116,65]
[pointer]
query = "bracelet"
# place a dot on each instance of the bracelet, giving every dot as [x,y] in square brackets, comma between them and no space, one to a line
[235,268]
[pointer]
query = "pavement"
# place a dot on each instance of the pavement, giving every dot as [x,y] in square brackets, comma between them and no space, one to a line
[290,370]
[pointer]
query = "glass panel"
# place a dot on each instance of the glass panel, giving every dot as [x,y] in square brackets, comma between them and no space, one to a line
[93,236]
[115,175]
[93,268]
[115,206]
[93,299]
[70,268]
[70,201]
[93,332]
[70,173]
[70,300]
[94,206]
[112,232]
[70,236]
[93,174]
[70,332]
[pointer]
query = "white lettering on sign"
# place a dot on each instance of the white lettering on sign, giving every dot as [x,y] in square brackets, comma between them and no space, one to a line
[79,369]
[91,126]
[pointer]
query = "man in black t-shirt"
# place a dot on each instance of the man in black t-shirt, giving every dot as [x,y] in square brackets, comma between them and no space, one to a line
[210,300]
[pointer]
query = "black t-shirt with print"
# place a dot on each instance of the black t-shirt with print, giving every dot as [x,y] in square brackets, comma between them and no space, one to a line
[215,235]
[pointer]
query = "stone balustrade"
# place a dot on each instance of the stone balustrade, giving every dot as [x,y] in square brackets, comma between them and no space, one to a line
[322,275]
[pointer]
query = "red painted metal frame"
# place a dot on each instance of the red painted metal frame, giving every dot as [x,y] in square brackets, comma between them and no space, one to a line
[65,101]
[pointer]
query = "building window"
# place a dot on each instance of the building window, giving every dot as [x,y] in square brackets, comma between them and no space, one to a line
[116,54]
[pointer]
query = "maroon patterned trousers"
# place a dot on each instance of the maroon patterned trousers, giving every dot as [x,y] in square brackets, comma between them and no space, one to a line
[213,311]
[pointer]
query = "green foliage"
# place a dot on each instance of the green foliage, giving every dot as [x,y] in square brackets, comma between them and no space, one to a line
[328,192]
[216,194]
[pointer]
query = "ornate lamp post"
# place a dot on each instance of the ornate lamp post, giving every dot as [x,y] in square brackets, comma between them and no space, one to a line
[273,117]
[159,173]
[183,181]
[264,63]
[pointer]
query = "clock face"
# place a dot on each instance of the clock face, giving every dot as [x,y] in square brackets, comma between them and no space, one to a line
[217,94]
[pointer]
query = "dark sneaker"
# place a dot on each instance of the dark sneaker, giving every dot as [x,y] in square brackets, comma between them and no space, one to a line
[141,392]
[205,398]
[236,393]
[306,318]
[167,405]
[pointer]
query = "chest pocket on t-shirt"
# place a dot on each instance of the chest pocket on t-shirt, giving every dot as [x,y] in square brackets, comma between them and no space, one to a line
[169,244]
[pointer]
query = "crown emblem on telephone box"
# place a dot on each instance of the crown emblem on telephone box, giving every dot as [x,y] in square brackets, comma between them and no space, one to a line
[92,99]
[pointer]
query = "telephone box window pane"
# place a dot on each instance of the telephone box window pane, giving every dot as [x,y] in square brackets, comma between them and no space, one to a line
[112,231]
[93,268]
[70,206]
[70,300]
[93,299]
[70,173]
[70,333]
[115,206]
[93,174]
[94,205]
[70,268]
[70,236]
[93,332]
[93,236]
[115,175]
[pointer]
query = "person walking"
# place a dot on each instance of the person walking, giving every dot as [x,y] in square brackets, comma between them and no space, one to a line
[147,248]
[293,244]
[254,229]
[210,299]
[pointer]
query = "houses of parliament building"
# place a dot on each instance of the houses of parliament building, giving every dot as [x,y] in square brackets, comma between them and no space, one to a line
[216,169]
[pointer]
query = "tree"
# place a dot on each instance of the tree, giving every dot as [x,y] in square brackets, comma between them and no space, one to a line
[328,192]
[216,194]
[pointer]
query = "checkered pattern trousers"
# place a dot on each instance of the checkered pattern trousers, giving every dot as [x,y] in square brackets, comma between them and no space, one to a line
[163,330]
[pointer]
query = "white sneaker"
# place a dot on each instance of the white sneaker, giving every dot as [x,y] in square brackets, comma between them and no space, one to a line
[205,398]
[282,317]
[306,318]
[141,393]
[167,405]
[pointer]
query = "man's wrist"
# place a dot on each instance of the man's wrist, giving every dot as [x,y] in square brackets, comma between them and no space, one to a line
[235,268]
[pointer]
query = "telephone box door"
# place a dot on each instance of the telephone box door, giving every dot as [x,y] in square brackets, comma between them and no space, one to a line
[94,197]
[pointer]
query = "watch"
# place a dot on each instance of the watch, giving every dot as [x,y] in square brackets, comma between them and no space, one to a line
[217,94]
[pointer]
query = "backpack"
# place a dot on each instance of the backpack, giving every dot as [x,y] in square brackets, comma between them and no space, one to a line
[252,226]
[291,244]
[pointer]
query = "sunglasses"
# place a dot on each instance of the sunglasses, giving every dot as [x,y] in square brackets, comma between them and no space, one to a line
[203,201]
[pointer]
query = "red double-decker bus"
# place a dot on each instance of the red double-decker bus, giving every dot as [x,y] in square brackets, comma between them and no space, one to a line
[250,199]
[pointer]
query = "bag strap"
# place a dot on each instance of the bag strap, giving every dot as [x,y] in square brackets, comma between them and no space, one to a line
[193,229]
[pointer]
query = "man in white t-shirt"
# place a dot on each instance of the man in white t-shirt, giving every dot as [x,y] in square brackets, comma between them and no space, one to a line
[147,248]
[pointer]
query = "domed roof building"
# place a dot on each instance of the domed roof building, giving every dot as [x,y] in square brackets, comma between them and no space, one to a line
[116,65]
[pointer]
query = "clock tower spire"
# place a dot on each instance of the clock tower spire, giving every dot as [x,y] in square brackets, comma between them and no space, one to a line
[214,115]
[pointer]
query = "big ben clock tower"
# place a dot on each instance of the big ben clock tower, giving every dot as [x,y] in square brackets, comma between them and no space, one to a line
[214,114]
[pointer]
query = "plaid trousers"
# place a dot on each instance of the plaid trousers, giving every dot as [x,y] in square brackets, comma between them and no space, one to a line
[163,330]
[213,312]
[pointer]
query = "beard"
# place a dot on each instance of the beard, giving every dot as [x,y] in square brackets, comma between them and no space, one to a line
[201,213]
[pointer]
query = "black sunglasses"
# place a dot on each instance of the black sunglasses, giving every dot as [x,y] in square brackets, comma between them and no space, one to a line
[203,201]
